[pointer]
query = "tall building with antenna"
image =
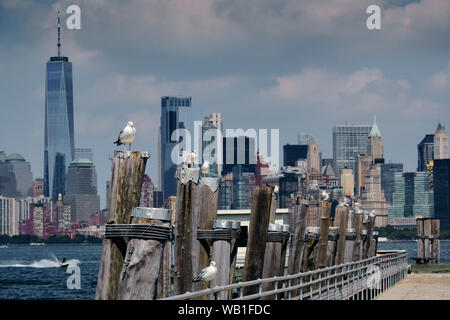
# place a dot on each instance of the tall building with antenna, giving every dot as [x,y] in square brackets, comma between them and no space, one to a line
[59,146]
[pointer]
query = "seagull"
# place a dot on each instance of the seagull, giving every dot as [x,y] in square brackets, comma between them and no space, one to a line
[324,196]
[205,167]
[190,159]
[206,274]
[127,135]
[276,189]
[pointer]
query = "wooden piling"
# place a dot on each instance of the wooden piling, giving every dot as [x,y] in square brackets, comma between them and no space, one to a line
[364,232]
[370,228]
[221,252]
[299,219]
[427,242]
[324,209]
[185,255]
[332,245]
[435,242]
[235,225]
[126,181]
[310,251]
[142,268]
[420,240]
[350,236]
[357,222]
[205,197]
[272,258]
[257,236]
[374,245]
[273,207]
[340,221]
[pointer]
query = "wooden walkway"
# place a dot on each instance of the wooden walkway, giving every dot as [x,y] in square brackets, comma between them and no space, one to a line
[420,287]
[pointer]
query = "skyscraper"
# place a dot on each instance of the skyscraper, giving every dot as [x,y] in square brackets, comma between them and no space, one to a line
[169,123]
[59,146]
[388,171]
[441,184]
[294,152]
[425,151]
[440,143]
[16,178]
[349,141]
[212,133]
[82,190]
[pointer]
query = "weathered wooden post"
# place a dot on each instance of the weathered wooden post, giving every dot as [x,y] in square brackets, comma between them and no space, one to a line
[324,209]
[273,207]
[310,252]
[370,228]
[257,236]
[186,244]
[420,240]
[427,242]
[299,217]
[236,228]
[374,244]
[313,215]
[205,197]
[332,245]
[364,232]
[221,253]
[340,221]
[126,182]
[149,232]
[284,245]
[358,224]
[435,241]
[350,236]
[272,257]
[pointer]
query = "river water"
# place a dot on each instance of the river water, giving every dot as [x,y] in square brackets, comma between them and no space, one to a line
[33,272]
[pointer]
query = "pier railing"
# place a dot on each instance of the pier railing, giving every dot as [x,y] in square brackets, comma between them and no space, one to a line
[359,280]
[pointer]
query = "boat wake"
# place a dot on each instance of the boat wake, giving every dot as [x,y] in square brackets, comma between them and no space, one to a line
[44,263]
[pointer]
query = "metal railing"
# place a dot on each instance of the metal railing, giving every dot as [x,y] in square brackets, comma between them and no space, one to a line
[360,280]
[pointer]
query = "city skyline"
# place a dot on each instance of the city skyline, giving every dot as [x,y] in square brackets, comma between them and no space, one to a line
[366,73]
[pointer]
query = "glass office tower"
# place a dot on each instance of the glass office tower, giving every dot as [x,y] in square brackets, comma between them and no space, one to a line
[349,141]
[169,123]
[59,147]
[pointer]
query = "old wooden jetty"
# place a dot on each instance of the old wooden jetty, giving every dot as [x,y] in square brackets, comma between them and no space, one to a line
[318,255]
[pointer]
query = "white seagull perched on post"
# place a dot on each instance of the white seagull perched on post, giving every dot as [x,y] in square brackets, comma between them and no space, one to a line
[127,135]
[205,167]
[206,274]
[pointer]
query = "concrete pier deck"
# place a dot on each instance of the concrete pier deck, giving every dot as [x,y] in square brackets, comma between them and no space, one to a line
[420,287]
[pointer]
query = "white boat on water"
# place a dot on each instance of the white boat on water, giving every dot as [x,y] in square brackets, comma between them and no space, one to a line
[383,239]
[37,244]
[1,247]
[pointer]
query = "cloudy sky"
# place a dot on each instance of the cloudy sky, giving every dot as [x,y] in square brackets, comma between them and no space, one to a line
[295,65]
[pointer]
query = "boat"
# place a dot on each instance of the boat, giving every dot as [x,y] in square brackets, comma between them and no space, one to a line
[37,244]
[383,239]
[63,265]
[3,246]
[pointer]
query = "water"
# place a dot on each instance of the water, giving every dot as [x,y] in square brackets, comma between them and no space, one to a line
[33,272]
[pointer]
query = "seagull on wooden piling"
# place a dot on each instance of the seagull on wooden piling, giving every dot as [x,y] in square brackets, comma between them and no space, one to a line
[206,274]
[127,135]
[205,167]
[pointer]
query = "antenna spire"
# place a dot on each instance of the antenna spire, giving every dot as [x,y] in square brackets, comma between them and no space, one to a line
[59,34]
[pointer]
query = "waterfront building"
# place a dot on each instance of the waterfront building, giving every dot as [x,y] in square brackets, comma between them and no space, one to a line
[349,141]
[170,121]
[64,215]
[147,192]
[412,196]
[239,151]
[16,178]
[59,145]
[243,188]
[441,183]
[226,192]
[84,153]
[347,181]
[82,190]
[425,150]
[388,171]
[9,218]
[293,153]
[440,143]
[38,187]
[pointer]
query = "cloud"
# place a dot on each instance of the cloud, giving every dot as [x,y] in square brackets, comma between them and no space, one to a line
[440,81]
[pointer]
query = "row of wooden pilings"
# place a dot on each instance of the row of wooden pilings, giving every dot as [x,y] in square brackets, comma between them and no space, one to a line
[137,250]
[428,240]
